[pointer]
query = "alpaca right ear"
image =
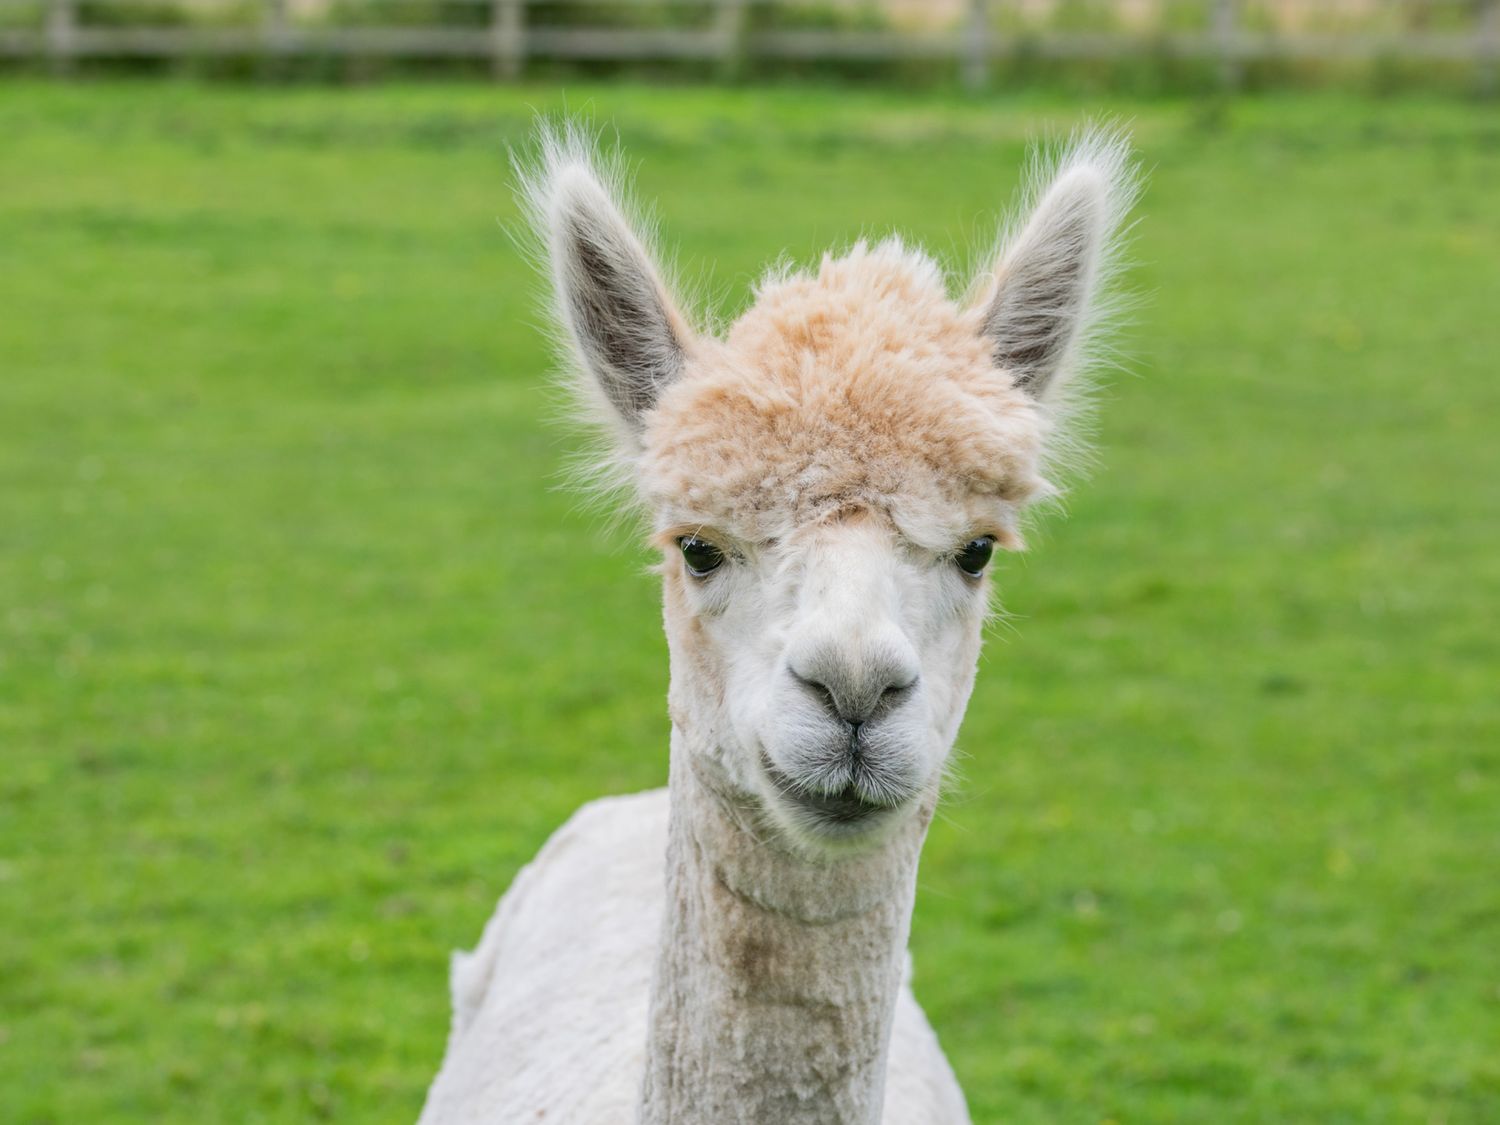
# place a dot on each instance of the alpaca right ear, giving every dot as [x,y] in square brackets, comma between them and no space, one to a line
[1043,293]
[625,331]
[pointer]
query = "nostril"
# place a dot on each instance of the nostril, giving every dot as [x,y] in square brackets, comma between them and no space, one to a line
[899,689]
[819,691]
[895,692]
[892,696]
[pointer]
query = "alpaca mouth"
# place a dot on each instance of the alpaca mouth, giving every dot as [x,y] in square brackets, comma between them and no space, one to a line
[842,808]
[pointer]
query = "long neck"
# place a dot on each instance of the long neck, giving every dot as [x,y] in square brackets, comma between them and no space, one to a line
[777,975]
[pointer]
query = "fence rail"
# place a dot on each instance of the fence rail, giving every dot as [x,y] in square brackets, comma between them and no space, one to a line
[508,40]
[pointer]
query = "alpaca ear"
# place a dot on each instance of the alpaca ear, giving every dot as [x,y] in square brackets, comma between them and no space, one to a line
[625,332]
[1042,293]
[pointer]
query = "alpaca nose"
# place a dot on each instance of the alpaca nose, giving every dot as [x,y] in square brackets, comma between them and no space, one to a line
[858,688]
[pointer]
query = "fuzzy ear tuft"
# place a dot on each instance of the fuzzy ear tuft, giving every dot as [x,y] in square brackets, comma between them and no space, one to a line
[623,329]
[1042,296]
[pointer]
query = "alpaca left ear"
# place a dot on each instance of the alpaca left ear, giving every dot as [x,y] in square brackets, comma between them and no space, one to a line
[626,335]
[1042,294]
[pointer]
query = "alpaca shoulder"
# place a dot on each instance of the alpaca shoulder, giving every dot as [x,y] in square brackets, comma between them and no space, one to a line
[550,1007]
[920,1086]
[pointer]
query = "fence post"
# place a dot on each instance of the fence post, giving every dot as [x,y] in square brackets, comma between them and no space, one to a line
[1226,41]
[1488,41]
[976,47]
[507,39]
[273,37]
[62,25]
[729,31]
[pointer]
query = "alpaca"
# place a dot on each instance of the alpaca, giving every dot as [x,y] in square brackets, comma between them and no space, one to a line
[826,482]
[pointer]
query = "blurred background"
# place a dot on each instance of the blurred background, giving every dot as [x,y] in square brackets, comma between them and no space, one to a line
[1133,44]
[303,651]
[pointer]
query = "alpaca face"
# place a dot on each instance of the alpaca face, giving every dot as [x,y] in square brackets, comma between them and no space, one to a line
[831,668]
[826,483]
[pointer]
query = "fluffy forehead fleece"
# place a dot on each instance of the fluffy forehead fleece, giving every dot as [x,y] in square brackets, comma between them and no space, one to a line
[863,385]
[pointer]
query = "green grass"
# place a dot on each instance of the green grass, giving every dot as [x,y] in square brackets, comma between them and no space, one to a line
[302,652]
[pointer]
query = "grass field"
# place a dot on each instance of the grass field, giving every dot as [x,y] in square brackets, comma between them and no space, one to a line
[302,652]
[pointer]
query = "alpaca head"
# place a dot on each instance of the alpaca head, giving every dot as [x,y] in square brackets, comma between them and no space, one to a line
[827,479]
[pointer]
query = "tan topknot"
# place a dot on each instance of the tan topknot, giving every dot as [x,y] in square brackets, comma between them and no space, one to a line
[862,384]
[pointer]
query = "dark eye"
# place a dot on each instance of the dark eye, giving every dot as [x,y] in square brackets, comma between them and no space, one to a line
[701,556]
[975,556]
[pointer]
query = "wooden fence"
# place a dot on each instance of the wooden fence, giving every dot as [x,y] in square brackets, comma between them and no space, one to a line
[503,34]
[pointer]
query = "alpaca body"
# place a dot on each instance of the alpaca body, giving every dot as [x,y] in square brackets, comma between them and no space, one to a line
[550,1010]
[827,481]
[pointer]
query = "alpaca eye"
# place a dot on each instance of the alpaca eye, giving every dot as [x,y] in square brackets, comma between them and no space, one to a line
[701,556]
[976,555]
